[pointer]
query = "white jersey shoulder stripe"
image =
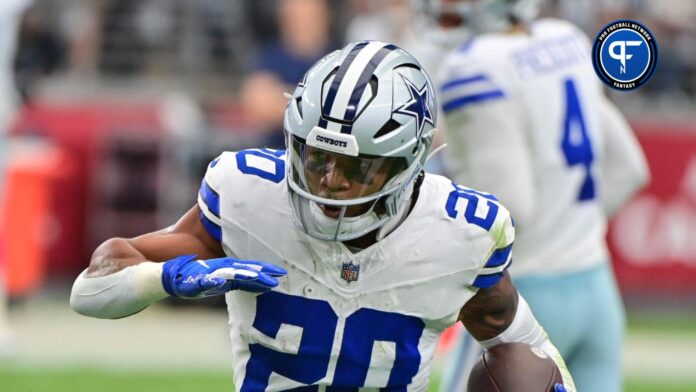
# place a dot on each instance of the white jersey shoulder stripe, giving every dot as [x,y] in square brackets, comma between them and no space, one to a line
[458,93]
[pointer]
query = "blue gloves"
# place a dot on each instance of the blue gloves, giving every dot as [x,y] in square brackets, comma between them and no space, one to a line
[559,388]
[186,277]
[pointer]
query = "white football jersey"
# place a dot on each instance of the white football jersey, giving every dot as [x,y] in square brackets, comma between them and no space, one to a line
[364,320]
[523,114]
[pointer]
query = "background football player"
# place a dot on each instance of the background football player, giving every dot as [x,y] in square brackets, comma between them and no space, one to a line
[371,258]
[527,120]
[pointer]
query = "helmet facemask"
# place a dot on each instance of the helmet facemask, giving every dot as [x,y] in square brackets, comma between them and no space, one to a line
[339,197]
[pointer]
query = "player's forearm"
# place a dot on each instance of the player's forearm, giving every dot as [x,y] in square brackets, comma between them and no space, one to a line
[119,282]
[120,294]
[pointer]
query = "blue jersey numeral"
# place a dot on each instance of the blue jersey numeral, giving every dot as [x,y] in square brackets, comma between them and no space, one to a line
[364,328]
[246,166]
[318,322]
[576,143]
[473,197]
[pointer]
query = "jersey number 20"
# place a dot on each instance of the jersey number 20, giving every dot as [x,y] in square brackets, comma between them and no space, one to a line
[362,329]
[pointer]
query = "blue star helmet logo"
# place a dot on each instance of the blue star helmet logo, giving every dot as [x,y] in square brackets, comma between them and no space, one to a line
[418,106]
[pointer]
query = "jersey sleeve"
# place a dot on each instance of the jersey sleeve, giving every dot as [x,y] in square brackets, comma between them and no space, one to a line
[499,258]
[466,81]
[624,167]
[209,194]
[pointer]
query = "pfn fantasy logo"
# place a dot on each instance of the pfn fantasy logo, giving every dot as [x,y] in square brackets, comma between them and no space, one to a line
[624,55]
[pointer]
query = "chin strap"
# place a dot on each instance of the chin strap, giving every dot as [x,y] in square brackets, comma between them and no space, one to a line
[394,222]
[406,207]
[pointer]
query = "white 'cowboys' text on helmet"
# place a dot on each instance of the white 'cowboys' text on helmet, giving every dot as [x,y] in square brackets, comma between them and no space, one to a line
[371,107]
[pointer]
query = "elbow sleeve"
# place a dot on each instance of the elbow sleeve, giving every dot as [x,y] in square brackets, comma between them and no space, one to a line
[119,294]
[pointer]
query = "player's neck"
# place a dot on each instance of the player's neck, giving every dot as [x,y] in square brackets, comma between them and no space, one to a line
[363,242]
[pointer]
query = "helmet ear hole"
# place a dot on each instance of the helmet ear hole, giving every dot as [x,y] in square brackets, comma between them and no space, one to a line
[298,103]
[374,82]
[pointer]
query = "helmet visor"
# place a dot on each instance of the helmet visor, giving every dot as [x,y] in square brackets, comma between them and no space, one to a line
[333,176]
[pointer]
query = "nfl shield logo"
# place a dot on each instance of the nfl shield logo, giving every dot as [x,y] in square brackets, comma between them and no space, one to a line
[350,272]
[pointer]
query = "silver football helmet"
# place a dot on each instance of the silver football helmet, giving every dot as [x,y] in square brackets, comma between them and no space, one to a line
[358,129]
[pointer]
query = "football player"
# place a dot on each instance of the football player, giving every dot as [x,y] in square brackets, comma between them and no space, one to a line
[528,121]
[11,14]
[366,258]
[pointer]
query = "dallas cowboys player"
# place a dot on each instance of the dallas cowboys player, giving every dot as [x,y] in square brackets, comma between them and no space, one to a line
[366,259]
[528,121]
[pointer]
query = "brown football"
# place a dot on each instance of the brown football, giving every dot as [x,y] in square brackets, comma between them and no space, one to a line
[514,367]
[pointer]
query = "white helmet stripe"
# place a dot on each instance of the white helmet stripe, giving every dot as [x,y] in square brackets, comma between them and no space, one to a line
[361,84]
[352,81]
[345,89]
[330,94]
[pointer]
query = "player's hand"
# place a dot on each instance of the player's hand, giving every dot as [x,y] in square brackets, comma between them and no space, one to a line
[186,277]
[559,388]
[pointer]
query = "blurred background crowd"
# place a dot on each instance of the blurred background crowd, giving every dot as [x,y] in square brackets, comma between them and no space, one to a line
[121,104]
[209,48]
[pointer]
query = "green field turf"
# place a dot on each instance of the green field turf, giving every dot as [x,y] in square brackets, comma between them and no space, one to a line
[670,323]
[667,337]
[21,379]
[78,380]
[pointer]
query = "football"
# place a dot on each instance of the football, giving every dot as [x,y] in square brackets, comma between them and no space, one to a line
[514,367]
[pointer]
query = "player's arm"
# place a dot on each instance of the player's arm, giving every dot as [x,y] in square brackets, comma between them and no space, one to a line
[624,167]
[491,311]
[187,236]
[498,314]
[127,275]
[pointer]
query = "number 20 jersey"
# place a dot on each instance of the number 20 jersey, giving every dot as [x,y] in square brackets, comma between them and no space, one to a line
[368,320]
